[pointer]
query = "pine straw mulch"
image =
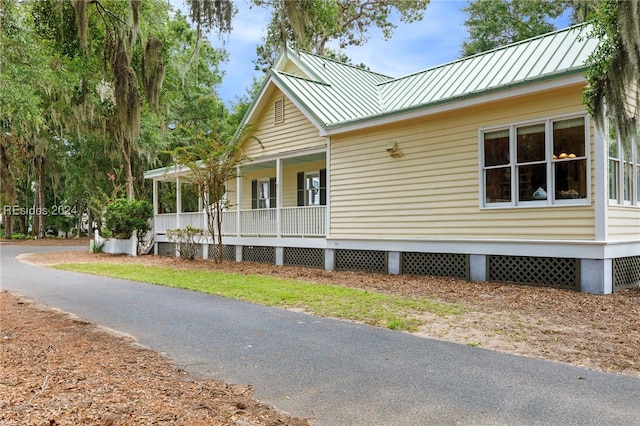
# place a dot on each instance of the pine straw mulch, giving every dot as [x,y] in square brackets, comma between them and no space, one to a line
[596,332]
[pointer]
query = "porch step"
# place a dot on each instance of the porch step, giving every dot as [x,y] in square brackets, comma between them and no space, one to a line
[147,247]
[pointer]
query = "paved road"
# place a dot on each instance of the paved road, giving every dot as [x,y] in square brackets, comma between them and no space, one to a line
[334,372]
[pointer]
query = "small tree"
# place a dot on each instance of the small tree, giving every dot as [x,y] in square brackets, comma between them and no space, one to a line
[213,159]
[124,216]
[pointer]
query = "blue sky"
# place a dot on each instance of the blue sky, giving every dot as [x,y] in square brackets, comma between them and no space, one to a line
[435,40]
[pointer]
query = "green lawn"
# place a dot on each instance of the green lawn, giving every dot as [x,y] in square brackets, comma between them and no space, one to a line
[390,311]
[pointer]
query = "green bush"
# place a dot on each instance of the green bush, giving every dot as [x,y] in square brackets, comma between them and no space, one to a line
[124,216]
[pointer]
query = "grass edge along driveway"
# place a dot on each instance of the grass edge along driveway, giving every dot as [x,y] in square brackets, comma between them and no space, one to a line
[378,309]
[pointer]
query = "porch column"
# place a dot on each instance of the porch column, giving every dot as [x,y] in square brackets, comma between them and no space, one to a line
[327,191]
[155,204]
[278,197]
[238,202]
[178,201]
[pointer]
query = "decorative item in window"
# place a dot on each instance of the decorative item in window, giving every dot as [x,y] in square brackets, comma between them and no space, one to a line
[540,194]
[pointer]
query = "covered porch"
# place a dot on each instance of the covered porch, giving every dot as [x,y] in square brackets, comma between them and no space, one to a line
[281,197]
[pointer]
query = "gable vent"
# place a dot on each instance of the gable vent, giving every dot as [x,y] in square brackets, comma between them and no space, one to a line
[278,111]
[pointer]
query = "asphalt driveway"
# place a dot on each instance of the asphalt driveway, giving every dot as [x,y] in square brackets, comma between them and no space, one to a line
[334,372]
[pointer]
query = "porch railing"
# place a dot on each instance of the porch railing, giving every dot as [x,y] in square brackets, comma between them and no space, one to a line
[294,222]
[258,222]
[307,221]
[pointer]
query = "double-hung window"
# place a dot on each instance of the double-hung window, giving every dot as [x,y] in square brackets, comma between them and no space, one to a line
[624,168]
[535,164]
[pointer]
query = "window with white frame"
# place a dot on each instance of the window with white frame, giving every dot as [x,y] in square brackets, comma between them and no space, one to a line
[537,163]
[263,193]
[624,168]
[312,189]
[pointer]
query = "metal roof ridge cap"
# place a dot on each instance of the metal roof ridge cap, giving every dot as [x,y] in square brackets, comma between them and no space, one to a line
[485,53]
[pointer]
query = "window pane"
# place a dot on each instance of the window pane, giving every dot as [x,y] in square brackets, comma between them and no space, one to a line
[263,194]
[627,179]
[613,142]
[498,185]
[530,143]
[532,182]
[496,148]
[613,179]
[571,179]
[313,190]
[568,138]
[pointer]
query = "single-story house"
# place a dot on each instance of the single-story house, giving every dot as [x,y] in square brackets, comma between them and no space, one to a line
[487,168]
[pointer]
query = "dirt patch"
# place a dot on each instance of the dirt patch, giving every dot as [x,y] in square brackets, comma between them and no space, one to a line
[597,332]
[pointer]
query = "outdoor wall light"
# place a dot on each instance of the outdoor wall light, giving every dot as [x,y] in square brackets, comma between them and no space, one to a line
[392,149]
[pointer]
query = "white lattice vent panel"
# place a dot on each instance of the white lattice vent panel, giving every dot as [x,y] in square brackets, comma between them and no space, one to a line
[544,271]
[626,272]
[228,251]
[361,260]
[300,256]
[167,249]
[198,250]
[436,264]
[259,254]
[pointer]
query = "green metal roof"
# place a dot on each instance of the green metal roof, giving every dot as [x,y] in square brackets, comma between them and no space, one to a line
[337,94]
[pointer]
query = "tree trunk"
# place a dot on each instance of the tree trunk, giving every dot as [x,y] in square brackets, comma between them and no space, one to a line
[41,211]
[8,225]
[128,173]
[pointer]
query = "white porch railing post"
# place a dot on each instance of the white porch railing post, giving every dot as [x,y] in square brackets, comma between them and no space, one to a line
[178,201]
[155,205]
[238,202]
[278,197]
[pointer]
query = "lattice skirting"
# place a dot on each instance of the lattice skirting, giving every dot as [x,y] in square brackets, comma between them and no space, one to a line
[543,271]
[228,252]
[626,272]
[300,256]
[436,264]
[167,249]
[361,260]
[259,254]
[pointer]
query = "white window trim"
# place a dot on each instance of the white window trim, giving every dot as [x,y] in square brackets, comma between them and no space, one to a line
[617,200]
[550,201]
[306,190]
[260,182]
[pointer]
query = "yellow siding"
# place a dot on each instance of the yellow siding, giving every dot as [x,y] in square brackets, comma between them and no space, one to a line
[295,133]
[624,223]
[432,191]
[291,68]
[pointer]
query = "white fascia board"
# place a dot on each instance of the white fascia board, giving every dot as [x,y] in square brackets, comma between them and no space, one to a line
[251,112]
[458,104]
[310,242]
[164,172]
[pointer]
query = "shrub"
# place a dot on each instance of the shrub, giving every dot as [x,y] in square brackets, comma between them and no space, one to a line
[124,216]
[188,241]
